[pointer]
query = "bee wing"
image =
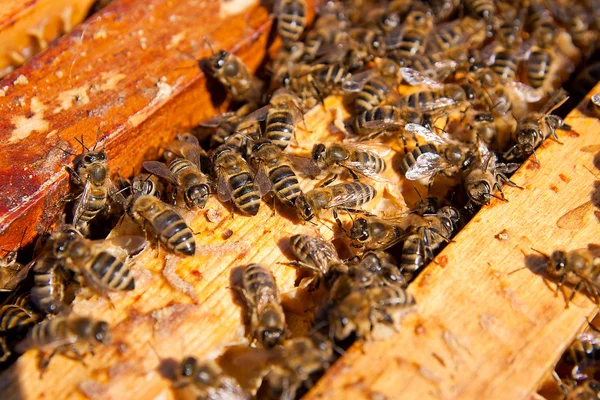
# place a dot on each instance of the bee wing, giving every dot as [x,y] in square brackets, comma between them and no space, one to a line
[303,164]
[427,134]
[223,188]
[340,200]
[441,102]
[262,181]
[217,120]
[378,148]
[160,169]
[427,165]
[528,93]
[187,150]
[83,199]
[16,273]
[357,81]
[133,244]
[575,218]
[414,78]
[114,192]
[383,125]
[258,115]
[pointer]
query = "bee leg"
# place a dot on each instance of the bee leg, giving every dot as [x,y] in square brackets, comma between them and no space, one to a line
[576,289]
[338,222]
[329,180]
[353,174]
[74,176]
[404,147]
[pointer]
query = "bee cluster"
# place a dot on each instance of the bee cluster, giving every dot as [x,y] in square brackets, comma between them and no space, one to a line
[461,91]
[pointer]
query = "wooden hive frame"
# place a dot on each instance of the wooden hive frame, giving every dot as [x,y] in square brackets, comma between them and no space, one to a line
[478,332]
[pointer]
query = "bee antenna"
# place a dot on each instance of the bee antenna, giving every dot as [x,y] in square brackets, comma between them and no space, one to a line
[97,135]
[591,325]
[516,270]
[208,44]
[418,193]
[498,197]
[546,256]
[81,142]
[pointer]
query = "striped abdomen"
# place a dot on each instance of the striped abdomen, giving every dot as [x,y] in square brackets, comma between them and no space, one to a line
[390,297]
[506,65]
[97,201]
[13,318]
[373,94]
[378,118]
[481,8]
[48,332]
[413,255]
[111,272]
[280,128]
[258,282]
[538,66]
[285,184]
[47,293]
[368,161]
[410,159]
[224,131]
[291,20]
[411,43]
[331,78]
[173,232]
[355,193]
[244,194]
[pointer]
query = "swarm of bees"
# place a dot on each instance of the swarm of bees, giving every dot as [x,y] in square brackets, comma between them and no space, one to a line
[465,90]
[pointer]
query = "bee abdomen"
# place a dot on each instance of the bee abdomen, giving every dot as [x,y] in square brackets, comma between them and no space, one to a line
[292,20]
[412,259]
[245,196]
[538,65]
[358,193]
[258,278]
[95,204]
[411,158]
[369,161]
[285,183]
[112,272]
[48,286]
[13,317]
[372,95]
[174,232]
[280,128]
[505,65]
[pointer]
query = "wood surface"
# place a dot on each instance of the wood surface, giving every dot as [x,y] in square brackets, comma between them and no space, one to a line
[126,78]
[28,26]
[482,332]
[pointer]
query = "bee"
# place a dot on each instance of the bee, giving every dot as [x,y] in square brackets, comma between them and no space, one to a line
[373,85]
[424,238]
[50,280]
[205,380]
[235,181]
[486,176]
[102,264]
[162,222]
[579,268]
[14,318]
[447,97]
[464,32]
[274,166]
[357,159]
[386,118]
[235,76]
[583,354]
[483,9]
[185,174]
[327,28]
[264,306]
[588,390]
[291,19]
[64,335]
[344,195]
[148,184]
[317,256]
[300,80]
[383,268]
[532,130]
[438,155]
[372,233]
[410,38]
[91,172]
[331,78]
[294,363]
[444,9]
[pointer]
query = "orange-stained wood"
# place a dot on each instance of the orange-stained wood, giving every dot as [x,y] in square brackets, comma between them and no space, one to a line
[482,332]
[126,77]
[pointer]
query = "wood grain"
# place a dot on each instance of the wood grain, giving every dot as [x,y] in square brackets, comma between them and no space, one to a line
[480,332]
[26,27]
[126,77]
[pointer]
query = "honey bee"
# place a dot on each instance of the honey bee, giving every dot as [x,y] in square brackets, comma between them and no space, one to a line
[423,239]
[378,120]
[446,98]
[331,23]
[532,130]
[274,166]
[444,9]
[205,380]
[185,174]
[588,390]
[91,172]
[372,86]
[410,38]
[317,256]
[344,195]
[102,265]
[235,76]
[235,181]
[583,354]
[484,9]
[162,222]
[372,233]
[266,317]
[49,285]
[450,36]
[579,268]
[356,159]
[148,184]
[294,363]
[331,78]
[383,268]
[291,19]
[14,318]
[64,335]
[487,176]
[438,155]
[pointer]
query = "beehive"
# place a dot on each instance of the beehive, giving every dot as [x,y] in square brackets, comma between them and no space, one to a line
[478,331]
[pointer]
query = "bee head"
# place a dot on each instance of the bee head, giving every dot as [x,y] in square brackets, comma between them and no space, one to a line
[188,366]
[318,152]
[558,264]
[101,332]
[480,192]
[360,230]
[197,195]
[304,209]
[272,332]
[218,60]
